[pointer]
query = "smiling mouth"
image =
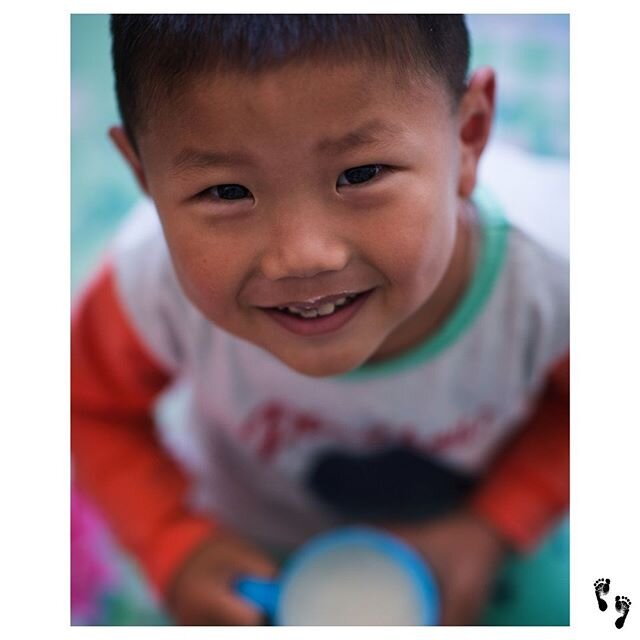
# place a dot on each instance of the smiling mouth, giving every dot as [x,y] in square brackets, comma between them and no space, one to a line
[321,307]
[319,316]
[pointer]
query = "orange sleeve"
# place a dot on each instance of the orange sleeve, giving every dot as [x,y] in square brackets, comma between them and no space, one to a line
[116,457]
[527,488]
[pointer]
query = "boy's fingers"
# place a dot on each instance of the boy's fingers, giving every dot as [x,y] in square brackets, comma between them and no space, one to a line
[229,608]
[211,603]
[258,567]
[256,563]
[448,610]
[459,610]
[238,610]
[452,615]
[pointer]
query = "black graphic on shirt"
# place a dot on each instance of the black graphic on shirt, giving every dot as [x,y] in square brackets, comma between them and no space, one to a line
[395,484]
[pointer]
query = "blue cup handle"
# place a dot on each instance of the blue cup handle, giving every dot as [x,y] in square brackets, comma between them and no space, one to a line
[265,594]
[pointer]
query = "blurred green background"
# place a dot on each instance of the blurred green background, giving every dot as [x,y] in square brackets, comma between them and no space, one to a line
[531,56]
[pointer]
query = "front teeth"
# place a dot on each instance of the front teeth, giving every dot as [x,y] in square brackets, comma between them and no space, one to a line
[323,310]
[326,309]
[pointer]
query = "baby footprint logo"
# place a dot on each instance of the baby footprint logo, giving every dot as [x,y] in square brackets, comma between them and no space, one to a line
[623,605]
[602,587]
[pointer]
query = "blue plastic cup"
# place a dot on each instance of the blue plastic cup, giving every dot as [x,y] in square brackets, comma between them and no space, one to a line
[350,576]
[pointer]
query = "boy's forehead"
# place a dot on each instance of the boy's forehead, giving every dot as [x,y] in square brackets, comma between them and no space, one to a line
[296,82]
[336,105]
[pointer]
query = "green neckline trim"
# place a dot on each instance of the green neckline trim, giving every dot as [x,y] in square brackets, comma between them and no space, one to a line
[495,230]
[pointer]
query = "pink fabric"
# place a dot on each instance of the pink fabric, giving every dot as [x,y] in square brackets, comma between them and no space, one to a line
[90,572]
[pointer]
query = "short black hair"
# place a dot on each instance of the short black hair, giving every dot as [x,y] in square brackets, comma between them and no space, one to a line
[154,54]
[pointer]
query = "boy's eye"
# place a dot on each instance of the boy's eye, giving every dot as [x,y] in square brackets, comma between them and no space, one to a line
[228,192]
[358,175]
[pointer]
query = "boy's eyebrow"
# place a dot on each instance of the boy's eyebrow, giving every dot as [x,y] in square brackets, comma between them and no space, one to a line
[369,133]
[197,159]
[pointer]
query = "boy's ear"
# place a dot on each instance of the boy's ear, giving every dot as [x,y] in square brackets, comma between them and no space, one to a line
[126,149]
[476,117]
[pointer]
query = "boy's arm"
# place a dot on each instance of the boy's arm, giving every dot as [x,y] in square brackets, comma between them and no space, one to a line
[527,488]
[117,458]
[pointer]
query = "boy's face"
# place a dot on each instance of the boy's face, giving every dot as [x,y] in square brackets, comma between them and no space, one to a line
[300,187]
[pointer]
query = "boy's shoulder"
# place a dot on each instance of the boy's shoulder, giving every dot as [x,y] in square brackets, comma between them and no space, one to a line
[533,193]
[530,301]
[148,288]
[536,277]
[531,197]
[140,234]
[528,194]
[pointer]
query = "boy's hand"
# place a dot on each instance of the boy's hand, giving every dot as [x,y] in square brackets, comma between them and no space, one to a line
[464,554]
[202,592]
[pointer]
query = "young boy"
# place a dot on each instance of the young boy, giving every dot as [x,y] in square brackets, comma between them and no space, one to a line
[360,336]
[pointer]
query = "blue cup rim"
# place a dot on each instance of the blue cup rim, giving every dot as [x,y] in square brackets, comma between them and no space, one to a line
[383,542]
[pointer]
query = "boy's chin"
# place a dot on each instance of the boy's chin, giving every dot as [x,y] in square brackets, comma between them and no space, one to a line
[321,365]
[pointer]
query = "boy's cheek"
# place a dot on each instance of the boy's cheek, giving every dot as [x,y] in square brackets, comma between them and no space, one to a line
[208,285]
[417,261]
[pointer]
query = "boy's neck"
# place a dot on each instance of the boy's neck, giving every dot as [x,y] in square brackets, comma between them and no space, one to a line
[431,316]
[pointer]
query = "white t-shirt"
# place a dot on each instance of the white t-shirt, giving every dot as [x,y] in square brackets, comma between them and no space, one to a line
[280,456]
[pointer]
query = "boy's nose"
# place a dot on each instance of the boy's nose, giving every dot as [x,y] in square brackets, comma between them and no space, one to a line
[302,247]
